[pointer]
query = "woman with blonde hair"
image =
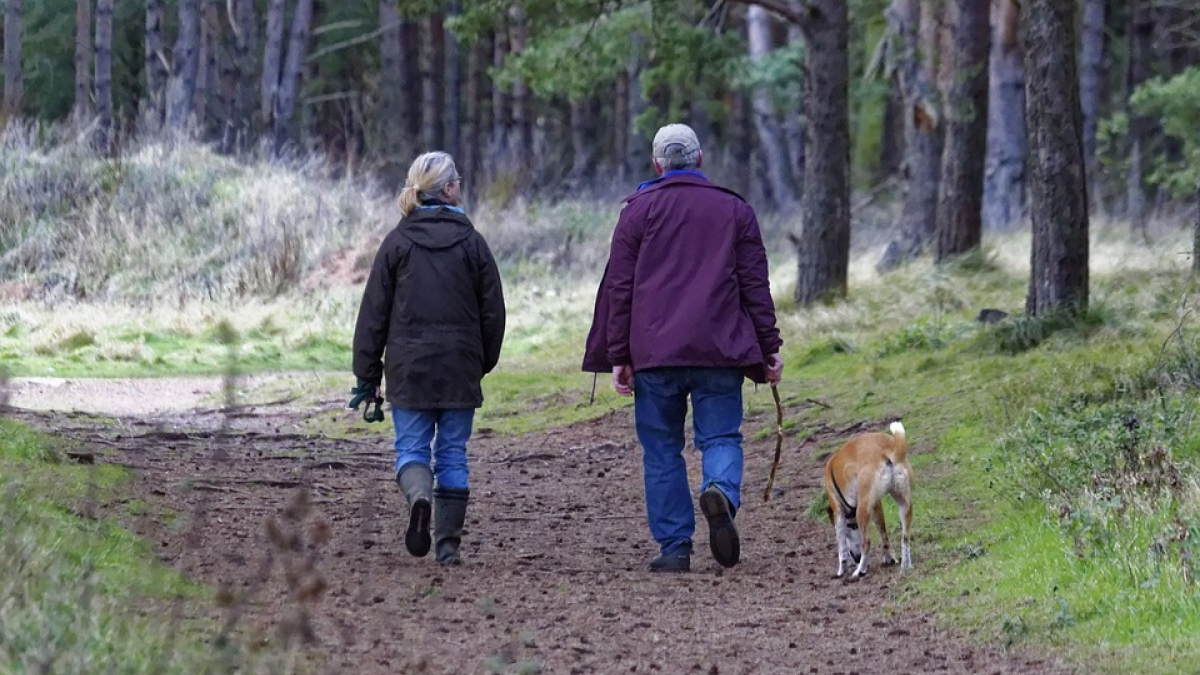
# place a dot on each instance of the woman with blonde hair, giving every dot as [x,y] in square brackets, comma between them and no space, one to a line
[432,322]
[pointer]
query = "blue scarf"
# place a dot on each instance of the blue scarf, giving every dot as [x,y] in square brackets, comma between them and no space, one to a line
[674,172]
[442,206]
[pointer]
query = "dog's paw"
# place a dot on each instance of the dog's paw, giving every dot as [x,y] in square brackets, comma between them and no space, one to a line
[889,561]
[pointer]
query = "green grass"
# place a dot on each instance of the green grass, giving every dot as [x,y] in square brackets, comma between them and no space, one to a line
[79,594]
[1107,587]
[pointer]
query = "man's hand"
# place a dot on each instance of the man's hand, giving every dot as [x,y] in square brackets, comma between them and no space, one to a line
[774,369]
[623,380]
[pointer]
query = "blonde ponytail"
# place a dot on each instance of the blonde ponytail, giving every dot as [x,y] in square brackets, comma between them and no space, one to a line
[427,178]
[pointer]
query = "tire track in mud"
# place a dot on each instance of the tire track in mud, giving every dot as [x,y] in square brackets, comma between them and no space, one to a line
[556,549]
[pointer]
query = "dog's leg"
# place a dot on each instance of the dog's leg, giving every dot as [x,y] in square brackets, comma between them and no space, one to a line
[905,504]
[881,525]
[864,525]
[839,530]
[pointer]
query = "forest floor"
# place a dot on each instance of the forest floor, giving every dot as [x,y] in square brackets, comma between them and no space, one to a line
[300,533]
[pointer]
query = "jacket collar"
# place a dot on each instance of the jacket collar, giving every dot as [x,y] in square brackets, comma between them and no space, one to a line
[676,178]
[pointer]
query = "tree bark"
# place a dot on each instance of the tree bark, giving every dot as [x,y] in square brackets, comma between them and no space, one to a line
[472,129]
[583,148]
[410,78]
[1091,86]
[1058,279]
[522,118]
[960,192]
[501,104]
[293,68]
[432,69]
[1004,186]
[637,146]
[185,66]
[103,76]
[923,127]
[156,64]
[242,40]
[770,137]
[824,242]
[207,68]
[452,117]
[393,149]
[1141,53]
[272,60]
[793,128]
[620,125]
[83,59]
[13,77]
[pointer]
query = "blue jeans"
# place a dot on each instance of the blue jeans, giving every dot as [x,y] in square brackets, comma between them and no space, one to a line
[415,432]
[660,410]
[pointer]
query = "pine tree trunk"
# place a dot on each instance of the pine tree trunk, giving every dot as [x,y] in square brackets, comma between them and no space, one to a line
[156,64]
[241,43]
[1058,279]
[83,59]
[103,77]
[923,129]
[1141,52]
[770,138]
[891,152]
[293,69]
[501,107]
[432,69]
[391,77]
[1004,186]
[824,242]
[793,128]
[1091,87]
[410,87]
[272,60]
[620,125]
[185,66]
[471,138]
[960,195]
[637,145]
[522,117]
[13,77]
[583,147]
[207,69]
[452,109]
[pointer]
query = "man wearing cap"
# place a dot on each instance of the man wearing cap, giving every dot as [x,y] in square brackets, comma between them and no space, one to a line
[685,309]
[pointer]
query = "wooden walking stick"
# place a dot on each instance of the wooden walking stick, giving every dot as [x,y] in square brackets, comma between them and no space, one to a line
[778,442]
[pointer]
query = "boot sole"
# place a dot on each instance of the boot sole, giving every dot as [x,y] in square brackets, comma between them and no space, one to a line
[417,539]
[723,537]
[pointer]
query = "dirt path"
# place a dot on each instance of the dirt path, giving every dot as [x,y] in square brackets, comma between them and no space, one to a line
[556,549]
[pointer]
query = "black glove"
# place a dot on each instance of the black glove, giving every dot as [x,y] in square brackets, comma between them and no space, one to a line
[365,391]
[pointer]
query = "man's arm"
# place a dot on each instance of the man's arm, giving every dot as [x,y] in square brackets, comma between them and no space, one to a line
[755,284]
[622,264]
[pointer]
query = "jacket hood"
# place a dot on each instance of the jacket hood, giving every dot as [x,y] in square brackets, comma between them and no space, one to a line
[436,228]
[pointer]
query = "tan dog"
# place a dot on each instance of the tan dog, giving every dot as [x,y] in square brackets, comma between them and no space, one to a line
[857,477]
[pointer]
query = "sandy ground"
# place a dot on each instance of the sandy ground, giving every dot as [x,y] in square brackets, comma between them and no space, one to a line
[303,535]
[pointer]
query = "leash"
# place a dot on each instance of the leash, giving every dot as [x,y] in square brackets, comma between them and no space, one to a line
[778,442]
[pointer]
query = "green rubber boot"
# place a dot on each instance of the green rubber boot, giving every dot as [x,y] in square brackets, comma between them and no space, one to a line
[449,513]
[416,481]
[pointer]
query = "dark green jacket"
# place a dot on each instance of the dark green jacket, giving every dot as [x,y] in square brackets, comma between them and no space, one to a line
[434,309]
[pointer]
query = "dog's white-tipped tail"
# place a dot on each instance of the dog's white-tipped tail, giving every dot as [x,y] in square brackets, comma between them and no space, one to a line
[901,450]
